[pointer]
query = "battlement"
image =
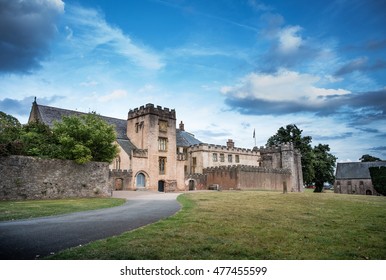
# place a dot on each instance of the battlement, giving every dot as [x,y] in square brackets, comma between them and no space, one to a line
[221,148]
[246,168]
[153,110]
[289,146]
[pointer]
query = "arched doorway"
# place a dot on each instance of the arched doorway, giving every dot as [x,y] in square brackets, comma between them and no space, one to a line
[368,192]
[118,184]
[191,185]
[140,180]
[161,186]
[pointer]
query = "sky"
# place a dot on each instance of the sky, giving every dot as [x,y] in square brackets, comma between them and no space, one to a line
[228,67]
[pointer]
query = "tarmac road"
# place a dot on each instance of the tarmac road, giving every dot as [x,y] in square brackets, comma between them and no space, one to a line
[39,237]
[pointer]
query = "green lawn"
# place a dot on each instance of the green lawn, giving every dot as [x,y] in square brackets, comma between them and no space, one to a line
[255,225]
[12,210]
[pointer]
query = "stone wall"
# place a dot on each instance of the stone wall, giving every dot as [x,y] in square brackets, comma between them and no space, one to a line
[249,177]
[34,178]
[355,186]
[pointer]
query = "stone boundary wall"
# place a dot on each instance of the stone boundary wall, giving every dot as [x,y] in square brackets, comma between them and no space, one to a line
[249,177]
[24,177]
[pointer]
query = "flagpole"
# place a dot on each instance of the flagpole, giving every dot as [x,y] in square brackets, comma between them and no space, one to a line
[254,135]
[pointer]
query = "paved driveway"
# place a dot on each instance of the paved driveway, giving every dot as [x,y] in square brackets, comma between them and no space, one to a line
[34,238]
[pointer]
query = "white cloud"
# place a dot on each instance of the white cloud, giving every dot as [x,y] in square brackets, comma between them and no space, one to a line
[116,94]
[284,85]
[289,40]
[90,31]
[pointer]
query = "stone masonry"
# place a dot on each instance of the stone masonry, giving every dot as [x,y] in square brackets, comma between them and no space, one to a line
[24,177]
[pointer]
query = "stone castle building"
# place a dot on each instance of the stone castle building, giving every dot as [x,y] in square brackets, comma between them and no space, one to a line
[156,155]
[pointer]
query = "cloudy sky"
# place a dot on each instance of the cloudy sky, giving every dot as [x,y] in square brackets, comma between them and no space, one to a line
[227,66]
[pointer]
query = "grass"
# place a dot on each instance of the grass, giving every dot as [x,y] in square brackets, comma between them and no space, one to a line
[12,210]
[255,225]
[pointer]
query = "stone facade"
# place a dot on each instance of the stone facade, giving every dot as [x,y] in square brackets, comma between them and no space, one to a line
[249,178]
[159,156]
[354,177]
[34,178]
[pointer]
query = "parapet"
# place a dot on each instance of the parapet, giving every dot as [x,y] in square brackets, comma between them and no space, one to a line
[221,148]
[151,109]
[246,168]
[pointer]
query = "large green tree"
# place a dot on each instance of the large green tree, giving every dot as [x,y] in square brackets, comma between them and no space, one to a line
[369,158]
[85,138]
[10,129]
[317,163]
[291,133]
[39,140]
[323,165]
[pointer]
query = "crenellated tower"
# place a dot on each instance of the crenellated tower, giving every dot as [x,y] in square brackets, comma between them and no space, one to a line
[152,129]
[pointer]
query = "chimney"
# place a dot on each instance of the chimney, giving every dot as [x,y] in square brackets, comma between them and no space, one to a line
[182,126]
[230,144]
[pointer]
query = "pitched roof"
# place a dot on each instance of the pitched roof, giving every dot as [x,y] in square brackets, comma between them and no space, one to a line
[185,139]
[49,115]
[356,170]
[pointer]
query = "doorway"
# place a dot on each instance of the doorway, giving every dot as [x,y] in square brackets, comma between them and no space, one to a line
[140,181]
[161,186]
[191,185]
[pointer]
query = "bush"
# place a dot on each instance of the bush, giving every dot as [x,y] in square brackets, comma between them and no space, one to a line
[378,177]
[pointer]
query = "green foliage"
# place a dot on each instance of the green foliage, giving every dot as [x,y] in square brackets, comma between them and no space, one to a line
[85,138]
[323,165]
[369,158]
[10,129]
[81,138]
[38,140]
[378,178]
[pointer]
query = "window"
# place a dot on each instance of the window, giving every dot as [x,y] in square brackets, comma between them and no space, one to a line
[162,144]
[237,158]
[194,161]
[222,159]
[118,162]
[215,157]
[162,165]
[229,158]
[138,126]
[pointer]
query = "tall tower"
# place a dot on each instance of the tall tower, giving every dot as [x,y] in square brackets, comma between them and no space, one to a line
[153,131]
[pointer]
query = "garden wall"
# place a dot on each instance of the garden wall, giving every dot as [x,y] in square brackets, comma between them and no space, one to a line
[24,177]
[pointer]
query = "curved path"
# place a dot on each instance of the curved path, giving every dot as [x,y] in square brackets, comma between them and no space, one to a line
[34,238]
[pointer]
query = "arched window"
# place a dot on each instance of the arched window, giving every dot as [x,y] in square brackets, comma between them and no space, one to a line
[118,162]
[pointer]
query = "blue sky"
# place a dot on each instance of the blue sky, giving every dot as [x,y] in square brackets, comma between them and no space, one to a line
[227,66]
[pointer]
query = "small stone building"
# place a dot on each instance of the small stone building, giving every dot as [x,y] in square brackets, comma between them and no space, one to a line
[354,178]
[156,155]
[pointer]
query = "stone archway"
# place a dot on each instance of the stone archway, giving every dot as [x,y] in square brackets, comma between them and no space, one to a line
[192,185]
[369,192]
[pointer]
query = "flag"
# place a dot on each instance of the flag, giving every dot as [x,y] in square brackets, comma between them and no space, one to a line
[254,133]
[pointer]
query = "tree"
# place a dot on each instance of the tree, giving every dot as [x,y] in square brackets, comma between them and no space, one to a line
[85,138]
[378,178]
[323,165]
[39,140]
[291,133]
[10,129]
[368,158]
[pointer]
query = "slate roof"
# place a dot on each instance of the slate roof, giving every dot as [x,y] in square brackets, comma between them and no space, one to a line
[185,139]
[356,170]
[49,115]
